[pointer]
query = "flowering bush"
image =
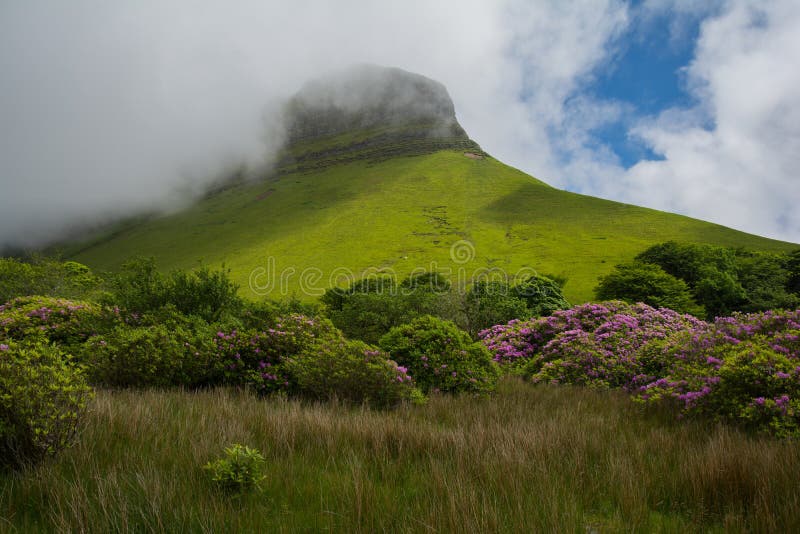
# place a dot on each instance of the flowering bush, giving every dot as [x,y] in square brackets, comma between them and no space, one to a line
[743,369]
[63,321]
[43,397]
[350,371]
[256,357]
[441,357]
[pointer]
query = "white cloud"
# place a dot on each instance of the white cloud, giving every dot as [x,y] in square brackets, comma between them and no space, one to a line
[742,170]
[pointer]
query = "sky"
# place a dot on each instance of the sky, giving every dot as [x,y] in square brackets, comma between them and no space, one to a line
[109,108]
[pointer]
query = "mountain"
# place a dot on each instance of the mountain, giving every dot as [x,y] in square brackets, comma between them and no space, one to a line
[377,174]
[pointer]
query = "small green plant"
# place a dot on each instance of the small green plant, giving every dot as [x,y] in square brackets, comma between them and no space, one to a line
[240,470]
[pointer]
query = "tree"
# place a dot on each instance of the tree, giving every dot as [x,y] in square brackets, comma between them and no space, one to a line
[542,295]
[648,283]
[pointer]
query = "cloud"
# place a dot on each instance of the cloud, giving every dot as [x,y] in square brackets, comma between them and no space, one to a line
[107,108]
[732,158]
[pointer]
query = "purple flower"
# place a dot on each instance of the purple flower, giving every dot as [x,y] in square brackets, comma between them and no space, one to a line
[3,347]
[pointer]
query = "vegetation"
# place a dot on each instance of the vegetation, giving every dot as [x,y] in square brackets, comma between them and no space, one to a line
[295,386]
[741,370]
[43,399]
[45,276]
[240,470]
[350,371]
[648,283]
[139,287]
[688,276]
[441,357]
[533,457]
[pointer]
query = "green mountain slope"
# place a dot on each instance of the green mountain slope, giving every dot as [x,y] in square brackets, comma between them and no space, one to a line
[397,191]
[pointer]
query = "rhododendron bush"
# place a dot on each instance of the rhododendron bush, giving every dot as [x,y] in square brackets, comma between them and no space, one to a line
[742,369]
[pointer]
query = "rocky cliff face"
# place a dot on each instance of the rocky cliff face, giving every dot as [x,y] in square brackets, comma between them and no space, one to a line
[371,112]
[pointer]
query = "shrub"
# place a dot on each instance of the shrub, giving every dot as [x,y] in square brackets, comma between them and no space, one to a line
[255,358]
[441,357]
[492,302]
[262,314]
[179,351]
[43,398]
[44,276]
[609,355]
[724,280]
[350,371]
[743,369]
[542,295]
[370,307]
[204,292]
[66,322]
[241,469]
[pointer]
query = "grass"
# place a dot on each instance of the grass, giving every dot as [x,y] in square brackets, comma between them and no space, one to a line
[530,459]
[400,214]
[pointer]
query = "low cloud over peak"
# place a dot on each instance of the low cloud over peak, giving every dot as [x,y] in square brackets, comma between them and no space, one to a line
[109,108]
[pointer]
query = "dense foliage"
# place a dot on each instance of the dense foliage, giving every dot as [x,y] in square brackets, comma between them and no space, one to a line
[441,357]
[743,369]
[644,282]
[167,349]
[721,280]
[62,321]
[350,371]
[139,287]
[44,276]
[43,398]
[368,308]
[256,357]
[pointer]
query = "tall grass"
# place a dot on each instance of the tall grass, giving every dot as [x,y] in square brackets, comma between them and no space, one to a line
[530,459]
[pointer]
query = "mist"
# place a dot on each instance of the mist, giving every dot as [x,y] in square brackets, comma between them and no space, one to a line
[108,109]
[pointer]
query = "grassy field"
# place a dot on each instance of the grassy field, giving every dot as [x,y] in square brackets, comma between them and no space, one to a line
[400,214]
[530,459]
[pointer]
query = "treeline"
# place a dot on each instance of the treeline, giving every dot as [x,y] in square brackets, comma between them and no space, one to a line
[705,280]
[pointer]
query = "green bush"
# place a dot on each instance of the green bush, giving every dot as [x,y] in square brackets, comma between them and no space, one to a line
[542,295]
[370,307]
[207,293]
[440,356]
[43,398]
[349,371]
[180,351]
[44,276]
[262,314]
[241,469]
[724,280]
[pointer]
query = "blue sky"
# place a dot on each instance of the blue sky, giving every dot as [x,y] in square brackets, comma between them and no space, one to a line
[679,105]
[645,72]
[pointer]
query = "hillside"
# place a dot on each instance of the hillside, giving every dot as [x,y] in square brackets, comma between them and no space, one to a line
[395,184]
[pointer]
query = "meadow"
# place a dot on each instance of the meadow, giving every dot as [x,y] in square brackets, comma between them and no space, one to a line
[532,458]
